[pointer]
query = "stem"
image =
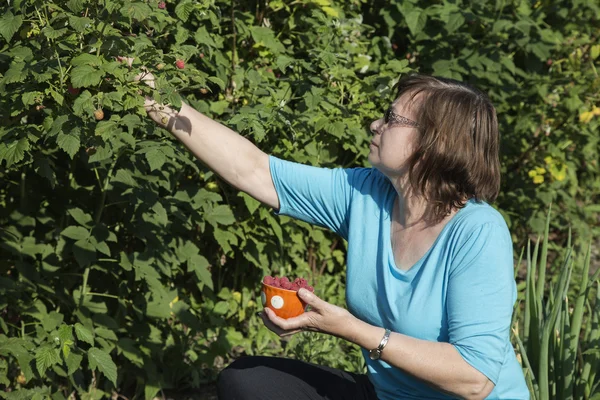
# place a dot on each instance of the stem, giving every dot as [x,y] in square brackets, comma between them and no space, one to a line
[85,279]
[62,75]
[23,198]
[233,48]
[112,296]
[102,201]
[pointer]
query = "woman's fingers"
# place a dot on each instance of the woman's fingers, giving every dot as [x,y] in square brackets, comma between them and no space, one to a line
[276,329]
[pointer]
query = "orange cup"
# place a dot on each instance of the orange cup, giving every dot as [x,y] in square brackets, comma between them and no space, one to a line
[284,303]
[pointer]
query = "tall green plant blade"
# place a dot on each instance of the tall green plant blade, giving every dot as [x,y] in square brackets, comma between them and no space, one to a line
[591,360]
[565,358]
[543,261]
[575,331]
[549,325]
[529,294]
[529,373]
[533,334]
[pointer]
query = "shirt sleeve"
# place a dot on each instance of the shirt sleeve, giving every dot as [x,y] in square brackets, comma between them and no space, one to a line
[481,296]
[320,196]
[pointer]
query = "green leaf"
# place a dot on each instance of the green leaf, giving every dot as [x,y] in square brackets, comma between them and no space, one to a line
[225,239]
[130,350]
[156,158]
[221,214]
[45,357]
[266,37]
[69,142]
[82,218]
[75,5]
[14,152]
[124,176]
[73,362]
[52,33]
[84,252]
[52,320]
[131,121]
[9,25]
[30,98]
[75,232]
[416,20]
[101,360]
[251,203]
[136,10]
[150,390]
[80,23]
[86,59]
[199,265]
[455,22]
[183,10]
[84,334]
[203,38]
[85,76]
[221,307]
[65,333]
[16,73]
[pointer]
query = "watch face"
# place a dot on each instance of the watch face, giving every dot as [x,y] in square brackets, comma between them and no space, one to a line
[374,354]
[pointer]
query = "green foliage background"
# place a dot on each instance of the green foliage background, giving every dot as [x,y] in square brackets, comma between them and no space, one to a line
[127,267]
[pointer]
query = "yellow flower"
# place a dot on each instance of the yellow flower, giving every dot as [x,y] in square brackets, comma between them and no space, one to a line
[175,300]
[587,116]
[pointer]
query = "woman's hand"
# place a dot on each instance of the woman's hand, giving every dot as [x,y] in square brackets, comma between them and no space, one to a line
[322,317]
[159,113]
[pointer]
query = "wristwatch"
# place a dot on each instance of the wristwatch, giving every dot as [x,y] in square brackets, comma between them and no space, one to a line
[376,353]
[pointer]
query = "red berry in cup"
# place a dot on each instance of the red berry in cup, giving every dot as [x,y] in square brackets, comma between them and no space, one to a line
[280,295]
[180,64]
[162,5]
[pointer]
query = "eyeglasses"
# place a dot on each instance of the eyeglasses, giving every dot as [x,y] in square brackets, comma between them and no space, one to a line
[390,117]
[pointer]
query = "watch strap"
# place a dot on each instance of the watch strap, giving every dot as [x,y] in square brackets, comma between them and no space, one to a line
[375,354]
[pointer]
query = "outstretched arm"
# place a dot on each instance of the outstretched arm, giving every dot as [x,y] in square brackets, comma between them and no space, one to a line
[234,158]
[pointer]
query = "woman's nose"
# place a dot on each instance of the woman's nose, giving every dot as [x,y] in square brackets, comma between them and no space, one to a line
[374,127]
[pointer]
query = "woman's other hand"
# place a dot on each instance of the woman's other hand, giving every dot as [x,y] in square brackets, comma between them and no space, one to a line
[323,317]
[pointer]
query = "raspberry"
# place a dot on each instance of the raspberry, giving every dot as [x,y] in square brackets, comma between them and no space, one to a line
[162,5]
[300,282]
[99,114]
[269,280]
[180,64]
[286,285]
[72,90]
[284,282]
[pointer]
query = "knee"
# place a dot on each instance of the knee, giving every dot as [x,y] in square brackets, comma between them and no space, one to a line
[234,382]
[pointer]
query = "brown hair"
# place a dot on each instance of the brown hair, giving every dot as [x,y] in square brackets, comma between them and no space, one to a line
[456,154]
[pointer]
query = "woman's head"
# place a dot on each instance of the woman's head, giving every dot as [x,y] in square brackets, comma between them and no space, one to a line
[451,155]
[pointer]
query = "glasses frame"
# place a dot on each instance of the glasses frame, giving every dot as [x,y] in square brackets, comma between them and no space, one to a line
[393,119]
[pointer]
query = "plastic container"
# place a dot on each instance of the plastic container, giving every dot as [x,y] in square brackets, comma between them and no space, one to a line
[284,303]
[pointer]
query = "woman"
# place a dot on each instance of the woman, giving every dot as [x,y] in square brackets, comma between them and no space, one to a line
[430,284]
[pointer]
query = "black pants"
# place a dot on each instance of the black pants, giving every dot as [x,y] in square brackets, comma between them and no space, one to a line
[272,378]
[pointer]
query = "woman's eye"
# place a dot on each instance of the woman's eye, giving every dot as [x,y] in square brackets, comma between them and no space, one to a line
[386,116]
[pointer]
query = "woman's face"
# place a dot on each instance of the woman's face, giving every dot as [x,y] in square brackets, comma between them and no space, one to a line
[394,137]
